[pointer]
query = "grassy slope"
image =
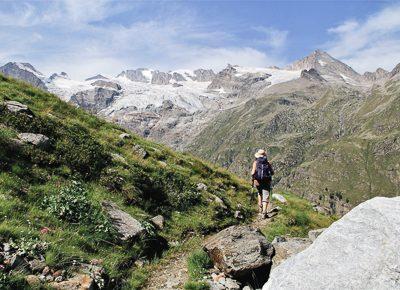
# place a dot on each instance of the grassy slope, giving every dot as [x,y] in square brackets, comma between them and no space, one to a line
[343,141]
[81,150]
[81,147]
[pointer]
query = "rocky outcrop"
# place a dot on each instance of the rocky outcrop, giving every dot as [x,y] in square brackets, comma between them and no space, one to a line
[160,78]
[312,75]
[395,71]
[279,197]
[94,100]
[107,84]
[158,221]
[25,72]
[223,78]
[379,74]
[178,77]
[240,251]
[127,227]
[313,234]
[135,75]
[360,251]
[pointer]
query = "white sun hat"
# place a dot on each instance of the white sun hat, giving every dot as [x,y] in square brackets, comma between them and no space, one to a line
[260,153]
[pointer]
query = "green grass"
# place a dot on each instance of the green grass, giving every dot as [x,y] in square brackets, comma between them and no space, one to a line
[198,263]
[34,181]
[296,219]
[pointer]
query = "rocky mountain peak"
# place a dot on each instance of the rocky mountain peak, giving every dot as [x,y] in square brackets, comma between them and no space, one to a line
[96,77]
[380,73]
[61,75]
[328,67]
[395,71]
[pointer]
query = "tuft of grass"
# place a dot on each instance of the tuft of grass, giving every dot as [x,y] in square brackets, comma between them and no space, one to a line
[198,263]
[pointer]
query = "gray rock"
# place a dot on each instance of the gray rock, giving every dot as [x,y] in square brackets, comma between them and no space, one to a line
[313,234]
[25,72]
[287,247]
[94,100]
[204,75]
[359,251]
[176,85]
[140,151]
[178,77]
[79,281]
[118,158]
[97,77]
[127,227]
[16,107]
[219,201]
[238,215]
[239,251]
[231,284]
[34,139]
[279,197]
[16,260]
[158,221]
[312,75]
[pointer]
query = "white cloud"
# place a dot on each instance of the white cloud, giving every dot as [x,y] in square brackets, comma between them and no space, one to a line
[274,38]
[370,43]
[77,37]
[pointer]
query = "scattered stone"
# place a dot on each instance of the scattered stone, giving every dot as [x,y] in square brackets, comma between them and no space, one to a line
[287,247]
[313,234]
[59,279]
[32,280]
[127,227]
[16,260]
[158,221]
[34,139]
[79,281]
[6,247]
[124,136]
[247,287]
[201,187]
[140,151]
[57,273]
[321,209]
[279,197]
[359,251]
[17,107]
[240,251]
[45,271]
[231,284]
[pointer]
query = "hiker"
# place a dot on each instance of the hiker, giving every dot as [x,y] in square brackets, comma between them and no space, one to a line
[261,174]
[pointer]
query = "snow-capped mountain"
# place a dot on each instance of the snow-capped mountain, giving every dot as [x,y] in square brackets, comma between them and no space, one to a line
[172,106]
[24,71]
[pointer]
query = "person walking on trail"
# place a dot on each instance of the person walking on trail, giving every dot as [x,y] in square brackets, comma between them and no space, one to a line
[261,174]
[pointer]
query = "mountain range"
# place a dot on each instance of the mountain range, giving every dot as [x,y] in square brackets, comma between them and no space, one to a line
[332,133]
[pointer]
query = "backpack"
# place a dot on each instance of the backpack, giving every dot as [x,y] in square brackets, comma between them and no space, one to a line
[264,170]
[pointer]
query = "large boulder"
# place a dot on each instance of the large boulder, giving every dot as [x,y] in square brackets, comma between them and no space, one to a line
[17,107]
[360,251]
[127,227]
[240,251]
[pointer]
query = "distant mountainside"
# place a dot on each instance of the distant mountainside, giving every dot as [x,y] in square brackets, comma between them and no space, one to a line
[335,140]
[331,132]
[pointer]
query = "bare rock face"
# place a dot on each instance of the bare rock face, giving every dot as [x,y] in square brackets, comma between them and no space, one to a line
[395,71]
[34,139]
[96,77]
[313,234]
[158,221]
[178,77]
[94,100]
[160,78]
[380,73]
[127,227]
[239,251]
[107,84]
[312,75]
[359,251]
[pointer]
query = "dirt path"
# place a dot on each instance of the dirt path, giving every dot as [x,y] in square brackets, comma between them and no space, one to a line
[170,275]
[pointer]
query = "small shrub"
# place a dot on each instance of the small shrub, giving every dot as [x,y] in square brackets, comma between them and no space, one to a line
[73,205]
[300,219]
[198,263]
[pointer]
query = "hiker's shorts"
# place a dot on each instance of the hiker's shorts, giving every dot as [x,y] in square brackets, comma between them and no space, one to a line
[263,190]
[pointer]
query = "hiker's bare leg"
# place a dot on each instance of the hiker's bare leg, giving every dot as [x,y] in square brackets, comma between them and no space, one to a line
[265,201]
[260,203]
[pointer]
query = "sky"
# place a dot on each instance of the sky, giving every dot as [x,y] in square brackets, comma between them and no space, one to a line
[86,37]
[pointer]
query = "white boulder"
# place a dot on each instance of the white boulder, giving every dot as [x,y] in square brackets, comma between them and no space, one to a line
[359,251]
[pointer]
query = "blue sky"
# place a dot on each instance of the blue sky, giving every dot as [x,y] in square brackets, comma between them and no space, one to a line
[102,36]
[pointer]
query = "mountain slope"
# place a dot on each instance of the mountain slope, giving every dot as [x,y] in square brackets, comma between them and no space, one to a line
[333,142]
[53,186]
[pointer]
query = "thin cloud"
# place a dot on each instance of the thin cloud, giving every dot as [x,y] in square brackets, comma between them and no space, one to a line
[370,43]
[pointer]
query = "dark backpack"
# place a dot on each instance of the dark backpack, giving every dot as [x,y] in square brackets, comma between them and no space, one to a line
[264,170]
